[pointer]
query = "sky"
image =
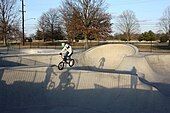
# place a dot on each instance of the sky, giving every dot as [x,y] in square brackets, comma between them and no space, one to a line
[148,12]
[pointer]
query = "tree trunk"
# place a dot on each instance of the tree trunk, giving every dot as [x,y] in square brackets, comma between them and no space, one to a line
[86,42]
[52,33]
[43,35]
[128,37]
[169,36]
[151,46]
[97,41]
[5,40]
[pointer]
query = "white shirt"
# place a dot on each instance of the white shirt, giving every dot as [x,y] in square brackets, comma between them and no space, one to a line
[67,48]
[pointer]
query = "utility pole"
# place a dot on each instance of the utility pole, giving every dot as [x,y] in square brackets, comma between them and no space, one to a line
[23,36]
[169,35]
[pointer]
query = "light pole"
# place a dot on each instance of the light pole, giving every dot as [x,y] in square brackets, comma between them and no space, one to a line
[169,35]
[23,37]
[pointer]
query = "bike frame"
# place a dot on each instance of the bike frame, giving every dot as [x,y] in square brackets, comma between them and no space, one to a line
[68,58]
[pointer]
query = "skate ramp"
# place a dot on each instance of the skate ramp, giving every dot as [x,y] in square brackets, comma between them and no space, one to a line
[139,65]
[161,65]
[110,57]
[127,58]
[29,60]
[26,91]
[155,68]
[103,87]
[151,69]
[106,56]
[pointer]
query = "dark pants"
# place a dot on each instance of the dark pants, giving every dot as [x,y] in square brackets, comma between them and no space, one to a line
[67,56]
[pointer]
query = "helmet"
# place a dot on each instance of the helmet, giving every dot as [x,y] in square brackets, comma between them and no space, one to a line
[62,44]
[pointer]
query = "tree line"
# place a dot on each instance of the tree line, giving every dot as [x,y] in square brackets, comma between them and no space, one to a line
[80,20]
[9,20]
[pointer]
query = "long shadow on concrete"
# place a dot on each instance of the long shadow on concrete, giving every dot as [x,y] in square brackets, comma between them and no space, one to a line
[162,87]
[5,63]
[95,69]
[18,61]
[24,97]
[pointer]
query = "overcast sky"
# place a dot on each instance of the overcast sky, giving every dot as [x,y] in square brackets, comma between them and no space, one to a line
[147,11]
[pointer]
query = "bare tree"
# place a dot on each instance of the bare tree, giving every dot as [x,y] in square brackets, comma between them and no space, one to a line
[8,17]
[164,23]
[49,22]
[42,26]
[127,24]
[87,17]
[16,32]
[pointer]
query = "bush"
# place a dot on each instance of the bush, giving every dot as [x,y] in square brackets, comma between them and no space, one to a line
[29,40]
[140,38]
[123,38]
[148,36]
[164,38]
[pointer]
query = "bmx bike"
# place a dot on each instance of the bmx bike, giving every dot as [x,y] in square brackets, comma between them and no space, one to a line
[52,83]
[68,84]
[68,61]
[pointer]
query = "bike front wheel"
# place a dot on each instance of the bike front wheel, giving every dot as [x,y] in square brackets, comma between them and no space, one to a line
[61,65]
[71,62]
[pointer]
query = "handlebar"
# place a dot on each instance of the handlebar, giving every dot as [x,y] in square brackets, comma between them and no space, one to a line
[61,54]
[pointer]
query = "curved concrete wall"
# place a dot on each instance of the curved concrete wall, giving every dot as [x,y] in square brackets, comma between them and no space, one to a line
[107,56]
[121,57]
[111,56]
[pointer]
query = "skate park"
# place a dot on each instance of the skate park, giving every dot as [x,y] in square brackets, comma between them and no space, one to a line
[112,78]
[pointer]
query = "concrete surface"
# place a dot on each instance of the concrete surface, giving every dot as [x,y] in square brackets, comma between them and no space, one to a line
[79,92]
[105,79]
[127,58]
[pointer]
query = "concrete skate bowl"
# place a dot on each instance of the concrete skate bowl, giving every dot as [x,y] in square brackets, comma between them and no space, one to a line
[124,59]
[161,65]
[107,56]
[29,60]
[25,91]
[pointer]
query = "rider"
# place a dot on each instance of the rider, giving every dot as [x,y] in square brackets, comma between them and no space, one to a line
[67,51]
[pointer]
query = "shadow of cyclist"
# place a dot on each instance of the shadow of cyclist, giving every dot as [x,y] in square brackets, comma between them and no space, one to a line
[101,61]
[48,75]
[65,81]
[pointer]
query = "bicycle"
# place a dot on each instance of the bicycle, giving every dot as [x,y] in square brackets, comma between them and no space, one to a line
[68,84]
[53,80]
[51,84]
[68,61]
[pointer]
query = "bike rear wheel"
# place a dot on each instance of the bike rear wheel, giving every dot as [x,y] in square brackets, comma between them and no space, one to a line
[71,85]
[61,65]
[51,85]
[71,62]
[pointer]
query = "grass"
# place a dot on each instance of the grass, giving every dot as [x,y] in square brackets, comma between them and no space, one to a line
[57,45]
